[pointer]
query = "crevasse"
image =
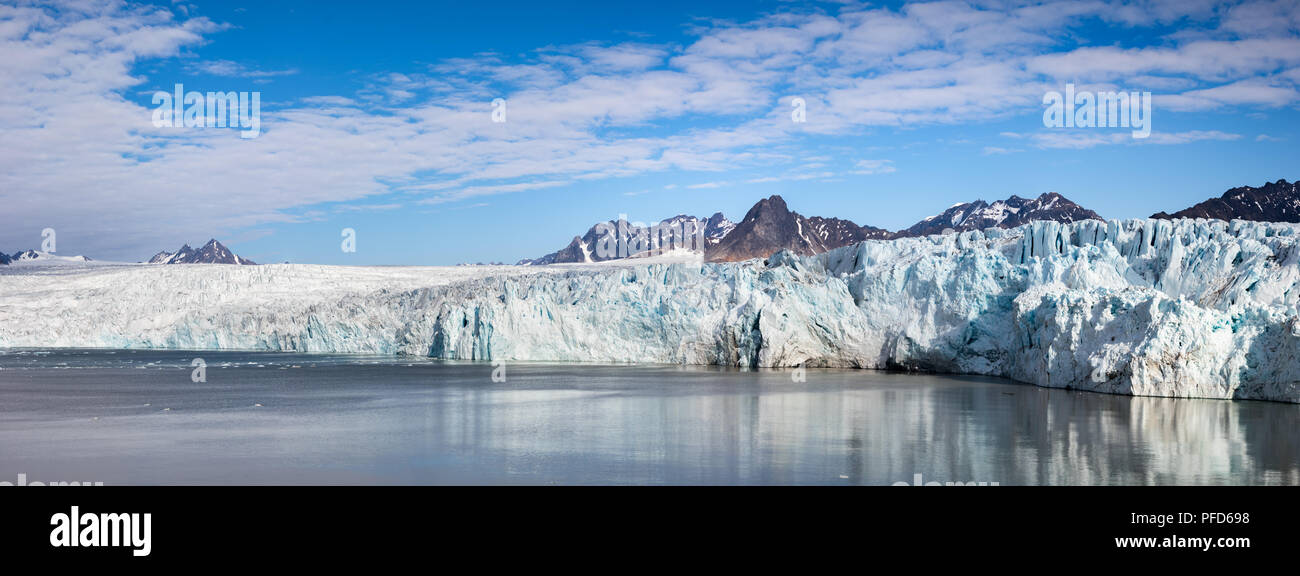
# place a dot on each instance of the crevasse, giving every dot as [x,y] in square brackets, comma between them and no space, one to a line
[1185,308]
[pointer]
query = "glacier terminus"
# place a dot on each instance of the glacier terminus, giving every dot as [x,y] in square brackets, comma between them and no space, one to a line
[1175,308]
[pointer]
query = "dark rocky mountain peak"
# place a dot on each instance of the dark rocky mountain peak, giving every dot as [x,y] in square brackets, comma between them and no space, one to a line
[770,226]
[211,253]
[1273,202]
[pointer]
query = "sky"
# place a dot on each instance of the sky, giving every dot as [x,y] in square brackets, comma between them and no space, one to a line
[378,117]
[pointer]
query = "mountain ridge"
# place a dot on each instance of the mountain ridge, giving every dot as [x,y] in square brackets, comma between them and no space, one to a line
[1273,202]
[627,240]
[1010,213]
[770,226]
[211,253]
[39,256]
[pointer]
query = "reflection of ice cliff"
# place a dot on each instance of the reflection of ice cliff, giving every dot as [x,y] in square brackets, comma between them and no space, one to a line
[1144,307]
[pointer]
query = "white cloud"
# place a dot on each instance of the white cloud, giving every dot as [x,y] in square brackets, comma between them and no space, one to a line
[707,185]
[234,69]
[873,167]
[792,177]
[1210,60]
[998,151]
[1251,92]
[1079,139]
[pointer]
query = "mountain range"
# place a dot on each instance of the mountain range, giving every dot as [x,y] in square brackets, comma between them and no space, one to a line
[771,226]
[1010,213]
[1274,202]
[585,248]
[211,253]
[38,256]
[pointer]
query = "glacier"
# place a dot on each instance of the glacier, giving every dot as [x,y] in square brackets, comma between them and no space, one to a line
[1176,308]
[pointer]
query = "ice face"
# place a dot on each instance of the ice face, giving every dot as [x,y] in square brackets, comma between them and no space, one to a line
[1186,308]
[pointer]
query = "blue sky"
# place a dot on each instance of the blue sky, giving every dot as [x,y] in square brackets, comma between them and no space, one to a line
[376,116]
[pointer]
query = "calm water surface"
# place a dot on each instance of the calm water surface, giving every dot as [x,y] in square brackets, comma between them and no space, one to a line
[135,417]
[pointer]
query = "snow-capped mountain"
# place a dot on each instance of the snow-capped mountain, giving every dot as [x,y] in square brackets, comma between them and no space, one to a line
[716,228]
[165,257]
[835,232]
[1274,202]
[586,248]
[770,226]
[36,256]
[4,259]
[211,253]
[1182,308]
[1010,213]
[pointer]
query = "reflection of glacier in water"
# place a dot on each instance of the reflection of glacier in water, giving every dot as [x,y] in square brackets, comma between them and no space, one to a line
[135,417]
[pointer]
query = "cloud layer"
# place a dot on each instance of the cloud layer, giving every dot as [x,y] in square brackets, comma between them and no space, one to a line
[78,153]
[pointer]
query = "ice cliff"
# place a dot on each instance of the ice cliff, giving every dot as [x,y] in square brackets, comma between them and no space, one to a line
[1187,308]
